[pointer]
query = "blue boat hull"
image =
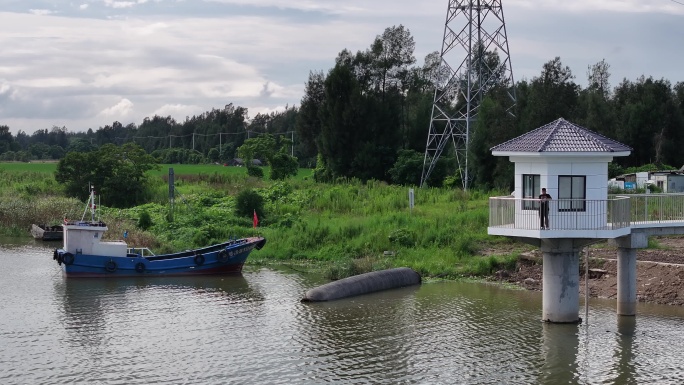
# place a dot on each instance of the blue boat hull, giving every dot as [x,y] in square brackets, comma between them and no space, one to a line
[223,258]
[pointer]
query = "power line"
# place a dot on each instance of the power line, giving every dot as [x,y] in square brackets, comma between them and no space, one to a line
[678,2]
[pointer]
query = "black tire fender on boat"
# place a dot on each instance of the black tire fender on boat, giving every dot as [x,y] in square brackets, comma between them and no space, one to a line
[110,266]
[55,255]
[67,258]
[140,267]
[199,259]
[223,256]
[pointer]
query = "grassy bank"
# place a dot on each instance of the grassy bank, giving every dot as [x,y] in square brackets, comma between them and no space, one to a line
[346,228]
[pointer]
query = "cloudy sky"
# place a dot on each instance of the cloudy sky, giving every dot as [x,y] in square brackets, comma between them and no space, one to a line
[87,63]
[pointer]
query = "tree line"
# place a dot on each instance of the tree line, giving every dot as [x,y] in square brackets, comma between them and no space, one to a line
[367,117]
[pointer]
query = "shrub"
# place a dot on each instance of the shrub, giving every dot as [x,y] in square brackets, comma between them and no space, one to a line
[255,171]
[145,220]
[402,237]
[248,201]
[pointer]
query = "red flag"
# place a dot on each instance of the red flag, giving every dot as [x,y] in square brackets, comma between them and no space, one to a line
[256,220]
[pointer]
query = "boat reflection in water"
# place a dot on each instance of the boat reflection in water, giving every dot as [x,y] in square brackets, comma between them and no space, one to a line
[95,308]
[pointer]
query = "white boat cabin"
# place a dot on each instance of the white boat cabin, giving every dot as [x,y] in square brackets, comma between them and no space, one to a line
[86,238]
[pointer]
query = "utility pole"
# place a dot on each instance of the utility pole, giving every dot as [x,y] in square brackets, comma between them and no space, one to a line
[474,29]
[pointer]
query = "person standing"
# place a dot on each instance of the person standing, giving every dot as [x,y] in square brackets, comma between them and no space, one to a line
[544,199]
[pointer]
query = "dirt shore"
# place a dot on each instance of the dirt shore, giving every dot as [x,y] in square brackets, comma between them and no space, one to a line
[660,272]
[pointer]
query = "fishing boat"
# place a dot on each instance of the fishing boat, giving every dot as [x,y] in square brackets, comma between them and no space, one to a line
[46,232]
[85,254]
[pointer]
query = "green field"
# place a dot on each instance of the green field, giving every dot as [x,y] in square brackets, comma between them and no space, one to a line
[40,167]
[178,169]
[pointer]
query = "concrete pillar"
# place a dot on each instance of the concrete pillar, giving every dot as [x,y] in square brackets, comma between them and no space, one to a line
[626,281]
[560,296]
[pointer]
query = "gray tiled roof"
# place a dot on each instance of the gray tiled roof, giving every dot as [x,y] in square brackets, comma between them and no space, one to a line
[561,136]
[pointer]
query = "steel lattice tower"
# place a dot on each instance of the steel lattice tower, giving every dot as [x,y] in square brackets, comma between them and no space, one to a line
[467,72]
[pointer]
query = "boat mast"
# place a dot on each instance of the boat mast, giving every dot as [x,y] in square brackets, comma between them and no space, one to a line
[90,205]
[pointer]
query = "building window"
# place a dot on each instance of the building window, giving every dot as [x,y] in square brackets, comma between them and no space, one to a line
[572,192]
[531,190]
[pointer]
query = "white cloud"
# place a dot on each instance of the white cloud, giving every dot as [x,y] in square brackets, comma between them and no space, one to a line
[6,90]
[178,110]
[119,4]
[121,109]
[40,12]
[328,6]
[145,29]
[626,6]
[83,6]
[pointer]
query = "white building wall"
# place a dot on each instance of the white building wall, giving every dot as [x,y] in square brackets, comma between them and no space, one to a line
[613,183]
[549,167]
[661,181]
[641,179]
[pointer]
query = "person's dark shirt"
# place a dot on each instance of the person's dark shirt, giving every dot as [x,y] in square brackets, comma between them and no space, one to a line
[544,200]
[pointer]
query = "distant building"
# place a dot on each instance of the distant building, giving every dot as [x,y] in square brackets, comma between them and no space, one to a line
[668,181]
[239,162]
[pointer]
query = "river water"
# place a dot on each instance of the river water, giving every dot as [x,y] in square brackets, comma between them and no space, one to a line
[252,329]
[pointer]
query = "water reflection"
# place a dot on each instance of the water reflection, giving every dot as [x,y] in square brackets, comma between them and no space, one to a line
[559,349]
[252,329]
[624,363]
[358,337]
[89,305]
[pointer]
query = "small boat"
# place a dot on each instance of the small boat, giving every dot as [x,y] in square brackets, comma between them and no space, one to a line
[46,232]
[84,254]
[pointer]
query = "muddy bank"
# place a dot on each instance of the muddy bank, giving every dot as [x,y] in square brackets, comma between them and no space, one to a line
[660,272]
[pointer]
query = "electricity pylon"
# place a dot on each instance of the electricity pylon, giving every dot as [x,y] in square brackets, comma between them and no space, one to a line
[474,59]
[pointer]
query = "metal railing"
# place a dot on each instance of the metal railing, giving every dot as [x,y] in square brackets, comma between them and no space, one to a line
[656,208]
[142,251]
[563,214]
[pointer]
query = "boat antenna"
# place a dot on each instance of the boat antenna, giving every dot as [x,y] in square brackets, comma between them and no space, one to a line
[93,206]
[90,205]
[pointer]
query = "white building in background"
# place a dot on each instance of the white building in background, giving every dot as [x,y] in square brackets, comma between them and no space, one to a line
[668,181]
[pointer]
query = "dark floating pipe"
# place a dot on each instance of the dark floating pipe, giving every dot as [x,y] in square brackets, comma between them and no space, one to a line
[363,284]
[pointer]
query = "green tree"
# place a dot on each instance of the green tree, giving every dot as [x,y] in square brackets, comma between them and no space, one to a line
[650,121]
[117,173]
[494,125]
[598,113]
[6,139]
[407,169]
[283,166]
[308,122]
[552,95]
[80,145]
[342,121]
[274,151]
[213,155]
